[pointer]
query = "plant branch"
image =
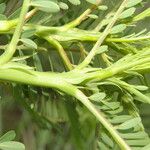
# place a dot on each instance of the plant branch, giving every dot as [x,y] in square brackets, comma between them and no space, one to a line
[8,54]
[82,17]
[61,51]
[131,89]
[52,80]
[100,117]
[117,69]
[92,53]
[134,39]
[103,55]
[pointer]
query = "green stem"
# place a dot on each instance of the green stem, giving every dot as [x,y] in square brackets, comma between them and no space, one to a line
[103,55]
[53,80]
[6,26]
[103,22]
[77,21]
[61,51]
[120,40]
[142,15]
[100,117]
[22,47]
[8,54]
[143,97]
[44,79]
[113,70]
[105,58]
[131,89]
[107,30]
[81,18]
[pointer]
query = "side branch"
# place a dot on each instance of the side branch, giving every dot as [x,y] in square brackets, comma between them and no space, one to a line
[7,55]
[53,80]
[61,51]
[92,53]
[82,17]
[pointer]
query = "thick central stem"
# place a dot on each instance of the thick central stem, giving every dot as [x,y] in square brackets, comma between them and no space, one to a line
[54,80]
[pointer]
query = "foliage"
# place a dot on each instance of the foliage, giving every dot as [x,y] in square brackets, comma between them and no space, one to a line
[6,142]
[73,64]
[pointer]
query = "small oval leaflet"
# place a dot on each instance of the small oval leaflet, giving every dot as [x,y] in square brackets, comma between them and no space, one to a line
[107,140]
[141,87]
[110,105]
[120,119]
[102,7]
[127,13]
[11,145]
[75,2]
[134,135]
[93,16]
[102,49]
[63,5]
[101,145]
[28,33]
[92,1]
[130,124]
[46,6]
[132,3]
[9,136]
[97,96]
[29,43]
[118,28]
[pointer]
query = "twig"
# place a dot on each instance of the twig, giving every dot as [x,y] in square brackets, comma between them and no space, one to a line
[134,39]
[61,51]
[82,17]
[92,53]
[8,54]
